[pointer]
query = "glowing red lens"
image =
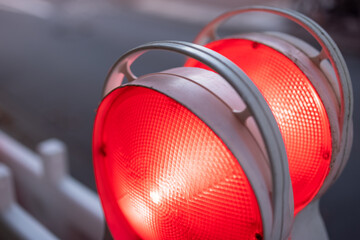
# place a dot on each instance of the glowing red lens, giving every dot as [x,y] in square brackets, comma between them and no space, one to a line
[298,110]
[167,172]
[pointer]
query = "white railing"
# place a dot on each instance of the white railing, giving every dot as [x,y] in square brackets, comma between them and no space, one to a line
[46,191]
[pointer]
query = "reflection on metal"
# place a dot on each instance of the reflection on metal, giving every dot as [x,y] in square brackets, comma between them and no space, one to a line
[309,224]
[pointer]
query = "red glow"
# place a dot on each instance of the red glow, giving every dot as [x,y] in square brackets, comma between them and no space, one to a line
[167,172]
[298,110]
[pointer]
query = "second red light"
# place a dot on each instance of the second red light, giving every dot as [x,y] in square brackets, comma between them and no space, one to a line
[298,110]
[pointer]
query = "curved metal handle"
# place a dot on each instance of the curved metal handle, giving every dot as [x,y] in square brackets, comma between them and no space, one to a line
[329,50]
[282,194]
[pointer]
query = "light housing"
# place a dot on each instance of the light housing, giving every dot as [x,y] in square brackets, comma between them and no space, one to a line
[164,143]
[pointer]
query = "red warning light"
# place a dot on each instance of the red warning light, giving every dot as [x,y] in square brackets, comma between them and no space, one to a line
[232,153]
[167,172]
[297,108]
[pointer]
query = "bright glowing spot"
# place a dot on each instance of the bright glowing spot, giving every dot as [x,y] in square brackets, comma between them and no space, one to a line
[155,197]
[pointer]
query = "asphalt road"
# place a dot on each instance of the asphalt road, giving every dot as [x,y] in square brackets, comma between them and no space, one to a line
[52,72]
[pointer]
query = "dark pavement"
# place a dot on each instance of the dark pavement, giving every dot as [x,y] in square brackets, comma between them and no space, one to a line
[51,75]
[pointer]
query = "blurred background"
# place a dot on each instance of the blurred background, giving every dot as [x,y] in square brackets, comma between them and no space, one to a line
[55,54]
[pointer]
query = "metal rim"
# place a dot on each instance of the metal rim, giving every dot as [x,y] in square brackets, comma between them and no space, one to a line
[256,105]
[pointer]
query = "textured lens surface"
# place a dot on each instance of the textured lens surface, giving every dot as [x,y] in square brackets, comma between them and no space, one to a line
[298,110]
[167,172]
